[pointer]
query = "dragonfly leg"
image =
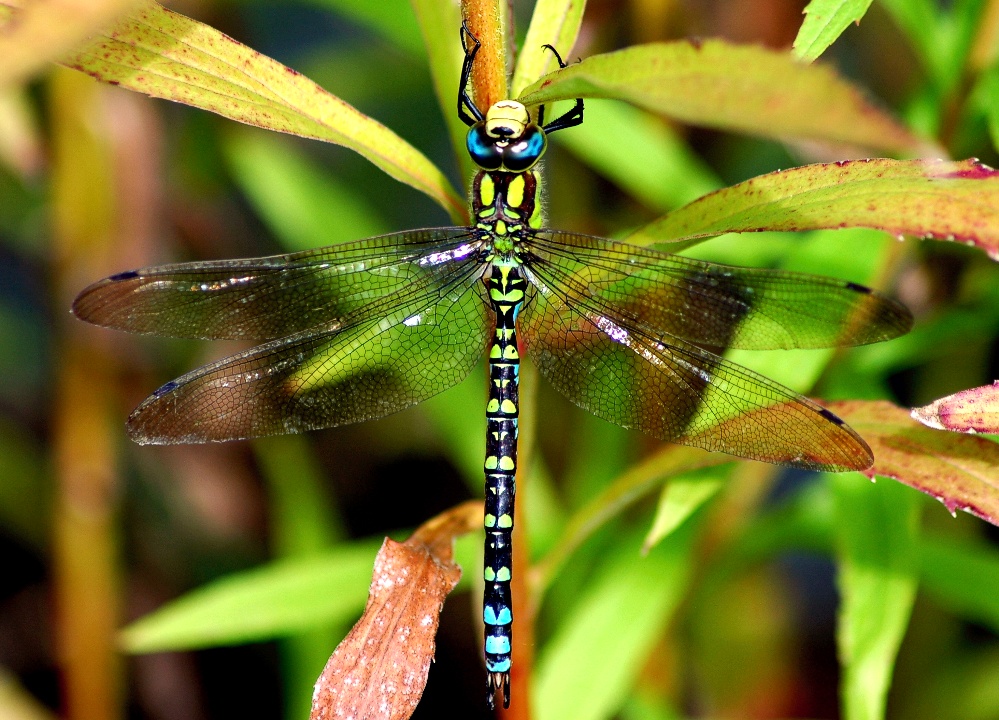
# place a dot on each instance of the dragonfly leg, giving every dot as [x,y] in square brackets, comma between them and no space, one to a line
[465,103]
[570,119]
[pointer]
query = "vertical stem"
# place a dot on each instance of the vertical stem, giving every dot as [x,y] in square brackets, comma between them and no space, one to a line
[104,198]
[86,573]
[487,21]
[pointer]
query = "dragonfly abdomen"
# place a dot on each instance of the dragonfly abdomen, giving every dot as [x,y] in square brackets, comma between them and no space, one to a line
[506,295]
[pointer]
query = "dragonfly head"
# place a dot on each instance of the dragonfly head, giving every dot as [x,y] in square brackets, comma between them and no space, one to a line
[506,139]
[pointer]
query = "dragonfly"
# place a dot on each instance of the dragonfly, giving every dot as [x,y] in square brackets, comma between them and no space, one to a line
[631,334]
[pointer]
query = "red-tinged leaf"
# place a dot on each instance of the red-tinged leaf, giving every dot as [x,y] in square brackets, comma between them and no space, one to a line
[927,198]
[970,411]
[41,31]
[960,471]
[380,668]
[166,55]
[734,87]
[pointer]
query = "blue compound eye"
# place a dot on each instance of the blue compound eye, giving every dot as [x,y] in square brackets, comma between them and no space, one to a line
[483,148]
[521,155]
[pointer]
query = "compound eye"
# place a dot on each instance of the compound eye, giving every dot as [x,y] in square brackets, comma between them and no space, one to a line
[483,148]
[524,153]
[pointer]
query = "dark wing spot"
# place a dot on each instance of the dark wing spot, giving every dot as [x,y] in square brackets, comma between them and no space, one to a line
[170,387]
[127,275]
[859,288]
[830,417]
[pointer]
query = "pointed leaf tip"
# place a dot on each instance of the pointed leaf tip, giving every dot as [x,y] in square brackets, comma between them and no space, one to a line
[380,669]
[975,410]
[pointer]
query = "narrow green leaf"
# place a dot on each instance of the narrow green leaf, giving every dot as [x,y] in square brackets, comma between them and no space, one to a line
[637,482]
[33,34]
[555,23]
[641,154]
[392,19]
[166,55]
[990,101]
[919,20]
[614,626]
[877,531]
[439,23]
[825,20]
[927,198]
[681,498]
[304,207]
[261,604]
[741,88]
[963,577]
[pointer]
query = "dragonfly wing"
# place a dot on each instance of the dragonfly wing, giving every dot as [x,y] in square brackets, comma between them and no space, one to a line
[710,304]
[680,393]
[386,356]
[271,297]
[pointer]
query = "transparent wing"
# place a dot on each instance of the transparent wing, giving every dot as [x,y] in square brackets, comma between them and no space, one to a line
[270,297]
[666,387]
[394,352]
[710,304]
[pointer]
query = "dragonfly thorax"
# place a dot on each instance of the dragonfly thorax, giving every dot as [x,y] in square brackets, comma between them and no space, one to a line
[505,206]
[506,139]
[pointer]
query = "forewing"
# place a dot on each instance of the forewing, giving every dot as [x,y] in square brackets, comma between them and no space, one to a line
[270,297]
[711,304]
[392,353]
[680,393]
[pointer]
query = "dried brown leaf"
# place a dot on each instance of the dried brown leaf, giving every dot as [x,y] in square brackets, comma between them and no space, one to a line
[380,669]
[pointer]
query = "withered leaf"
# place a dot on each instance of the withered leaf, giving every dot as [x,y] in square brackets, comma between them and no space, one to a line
[380,669]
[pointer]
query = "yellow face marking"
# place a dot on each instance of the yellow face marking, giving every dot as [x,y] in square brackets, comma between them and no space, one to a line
[500,227]
[515,191]
[507,119]
[487,190]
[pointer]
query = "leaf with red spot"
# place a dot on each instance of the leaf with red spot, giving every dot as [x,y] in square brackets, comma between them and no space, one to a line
[380,669]
[35,33]
[961,471]
[742,88]
[926,198]
[975,410]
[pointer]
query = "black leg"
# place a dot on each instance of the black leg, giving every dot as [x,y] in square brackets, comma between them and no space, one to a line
[465,104]
[570,119]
